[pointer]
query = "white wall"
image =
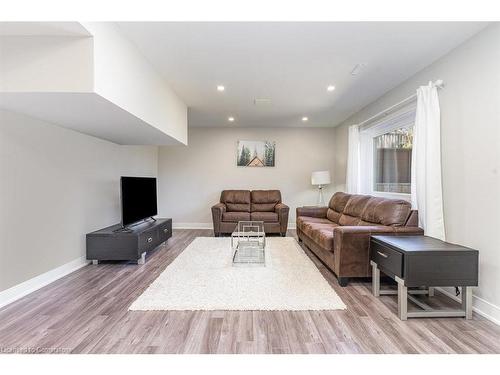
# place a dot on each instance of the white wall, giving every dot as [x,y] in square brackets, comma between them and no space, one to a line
[192,177]
[123,76]
[470,124]
[46,64]
[57,185]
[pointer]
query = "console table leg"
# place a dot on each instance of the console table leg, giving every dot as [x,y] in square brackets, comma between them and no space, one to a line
[95,261]
[142,259]
[467,301]
[430,291]
[402,299]
[375,280]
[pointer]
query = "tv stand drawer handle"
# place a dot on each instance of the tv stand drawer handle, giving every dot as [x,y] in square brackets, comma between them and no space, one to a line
[150,239]
[382,254]
[165,230]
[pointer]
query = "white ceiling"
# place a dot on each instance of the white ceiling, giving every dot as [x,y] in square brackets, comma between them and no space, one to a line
[289,63]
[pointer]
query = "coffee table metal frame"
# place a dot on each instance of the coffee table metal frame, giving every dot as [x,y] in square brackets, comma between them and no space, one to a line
[248,243]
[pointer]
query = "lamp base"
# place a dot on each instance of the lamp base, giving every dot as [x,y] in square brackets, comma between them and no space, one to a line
[321,200]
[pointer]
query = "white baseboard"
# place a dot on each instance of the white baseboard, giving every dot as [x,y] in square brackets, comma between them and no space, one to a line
[480,306]
[20,290]
[208,225]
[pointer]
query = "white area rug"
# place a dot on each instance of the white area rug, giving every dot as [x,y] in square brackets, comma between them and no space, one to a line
[202,278]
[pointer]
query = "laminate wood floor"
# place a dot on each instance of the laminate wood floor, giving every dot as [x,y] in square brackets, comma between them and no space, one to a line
[87,312]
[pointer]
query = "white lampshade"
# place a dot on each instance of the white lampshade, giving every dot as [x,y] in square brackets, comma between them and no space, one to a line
[320,178]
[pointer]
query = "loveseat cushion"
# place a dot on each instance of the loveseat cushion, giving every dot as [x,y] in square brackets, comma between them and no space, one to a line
[235,216]
[236,200]
[393,212]
[267,217]
[337,205]
[265,200]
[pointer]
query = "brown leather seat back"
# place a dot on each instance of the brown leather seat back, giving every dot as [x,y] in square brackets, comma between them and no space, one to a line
[336,206]
[353,210]
[383,211]
[236,200]
[265,200]
[412,219]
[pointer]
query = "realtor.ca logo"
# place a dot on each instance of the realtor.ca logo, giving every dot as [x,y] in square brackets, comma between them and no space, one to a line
[33,350]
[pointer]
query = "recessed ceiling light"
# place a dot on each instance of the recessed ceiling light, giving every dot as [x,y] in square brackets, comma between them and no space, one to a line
[330,88]
[220,88]
[305,119]
[230,119]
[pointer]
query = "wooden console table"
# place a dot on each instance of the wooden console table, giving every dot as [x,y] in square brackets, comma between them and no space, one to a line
[421,261]
[116,243]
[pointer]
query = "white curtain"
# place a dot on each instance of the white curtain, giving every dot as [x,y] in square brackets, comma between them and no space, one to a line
[426,189]
[353,156]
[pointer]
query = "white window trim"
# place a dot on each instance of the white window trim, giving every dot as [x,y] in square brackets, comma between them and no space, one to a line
[403,118]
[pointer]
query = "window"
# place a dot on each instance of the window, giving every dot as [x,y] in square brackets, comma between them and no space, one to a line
[385,155]
[392,161]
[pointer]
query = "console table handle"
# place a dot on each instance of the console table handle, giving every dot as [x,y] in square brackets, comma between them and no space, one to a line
[382,254]
[150,239]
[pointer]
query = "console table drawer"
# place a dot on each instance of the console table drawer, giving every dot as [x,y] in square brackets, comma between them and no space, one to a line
[387,259]
[165,232]
[148,239]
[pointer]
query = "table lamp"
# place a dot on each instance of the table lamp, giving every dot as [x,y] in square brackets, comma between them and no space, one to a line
[320,178]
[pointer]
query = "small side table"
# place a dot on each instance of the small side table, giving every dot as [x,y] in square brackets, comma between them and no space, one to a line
[421,261]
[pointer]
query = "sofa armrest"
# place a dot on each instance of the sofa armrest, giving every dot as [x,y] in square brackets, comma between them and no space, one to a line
[282,210]
[351,246]
[217,211]
[312,211]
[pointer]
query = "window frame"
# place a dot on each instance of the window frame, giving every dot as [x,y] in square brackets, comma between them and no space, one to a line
[403,118]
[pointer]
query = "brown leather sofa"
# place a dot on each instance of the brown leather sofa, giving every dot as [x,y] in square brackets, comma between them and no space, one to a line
[340,233]
[244,205]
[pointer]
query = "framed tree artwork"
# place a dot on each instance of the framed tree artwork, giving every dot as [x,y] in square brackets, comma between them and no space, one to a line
[256,154]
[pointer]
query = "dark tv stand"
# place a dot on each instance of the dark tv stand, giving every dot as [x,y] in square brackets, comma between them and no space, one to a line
[132,243]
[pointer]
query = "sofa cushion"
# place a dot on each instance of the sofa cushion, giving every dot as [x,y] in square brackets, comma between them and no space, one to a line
[353,210]
[235,216]
[267,217]
[236,200]
[321,233]
[336,206]
[393,212]
[265,200]
[302,220]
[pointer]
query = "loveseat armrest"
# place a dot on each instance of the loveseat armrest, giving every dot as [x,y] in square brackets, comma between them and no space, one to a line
[282,210]
[219,206]
[312,211]
[281,207]
[217,211]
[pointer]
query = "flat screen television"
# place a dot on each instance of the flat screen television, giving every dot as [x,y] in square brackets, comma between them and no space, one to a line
[138,199]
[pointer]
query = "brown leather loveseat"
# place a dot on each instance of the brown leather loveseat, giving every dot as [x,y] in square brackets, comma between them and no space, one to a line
[340,233]
[245,205]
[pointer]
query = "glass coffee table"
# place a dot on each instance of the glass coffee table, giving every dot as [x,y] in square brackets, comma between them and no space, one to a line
[248,242]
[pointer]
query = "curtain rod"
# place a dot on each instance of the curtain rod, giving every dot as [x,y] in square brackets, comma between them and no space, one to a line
[439,84]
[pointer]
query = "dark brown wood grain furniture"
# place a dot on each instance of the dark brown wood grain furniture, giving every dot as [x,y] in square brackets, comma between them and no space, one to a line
[421,261]
[132,243]
[339,234]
